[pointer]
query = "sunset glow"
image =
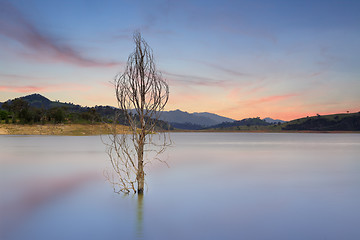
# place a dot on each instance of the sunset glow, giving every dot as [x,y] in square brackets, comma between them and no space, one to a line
[239,59]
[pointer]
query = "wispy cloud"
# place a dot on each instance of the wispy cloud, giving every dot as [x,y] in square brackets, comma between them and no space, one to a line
[22,89]
[315,74]
[122,36]
[182,79]
[234,94]
[250,32]
[274,98]
[43,88]
[42,47]
[4,76]
[224,69]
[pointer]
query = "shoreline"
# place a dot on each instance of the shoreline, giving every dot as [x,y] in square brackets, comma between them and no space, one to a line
[262,131]
[102,129]
[59,129]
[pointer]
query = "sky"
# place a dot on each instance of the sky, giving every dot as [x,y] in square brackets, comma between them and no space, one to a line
[268,58]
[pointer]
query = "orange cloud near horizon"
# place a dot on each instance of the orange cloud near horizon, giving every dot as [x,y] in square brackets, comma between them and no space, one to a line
[22,89]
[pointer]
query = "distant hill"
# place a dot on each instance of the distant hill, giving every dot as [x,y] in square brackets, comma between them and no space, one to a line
[39,101]
[214,117]
[36,108]
[245,122]
[334,122]
[185,120]
[273,121]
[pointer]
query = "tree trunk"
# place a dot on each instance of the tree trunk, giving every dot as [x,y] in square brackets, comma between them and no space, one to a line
[140,87]
[140,173]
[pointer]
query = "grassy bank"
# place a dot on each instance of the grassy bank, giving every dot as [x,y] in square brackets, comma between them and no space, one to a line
[59,129]
[101,128]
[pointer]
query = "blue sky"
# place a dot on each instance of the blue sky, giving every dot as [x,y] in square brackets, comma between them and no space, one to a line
[280,59]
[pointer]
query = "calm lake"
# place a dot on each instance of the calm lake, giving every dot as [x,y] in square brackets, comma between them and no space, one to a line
[219,186]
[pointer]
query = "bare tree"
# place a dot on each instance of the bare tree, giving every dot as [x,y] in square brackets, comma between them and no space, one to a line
[141,94]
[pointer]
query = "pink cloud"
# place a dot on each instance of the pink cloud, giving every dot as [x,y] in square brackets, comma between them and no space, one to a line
[274,98]
[22,89]
[259,107]
[108,84]
[234,94]
[15,26]
[257,89]
[13,77]
[44,88]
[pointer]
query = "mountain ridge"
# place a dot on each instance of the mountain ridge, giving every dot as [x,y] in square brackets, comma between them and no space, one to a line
[203,119]
[47,111]
[177,118]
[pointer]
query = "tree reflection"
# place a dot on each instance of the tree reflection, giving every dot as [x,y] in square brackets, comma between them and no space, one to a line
[139,218]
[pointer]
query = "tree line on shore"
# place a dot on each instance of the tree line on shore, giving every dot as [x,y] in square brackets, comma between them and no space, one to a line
[37,109]
[21,111]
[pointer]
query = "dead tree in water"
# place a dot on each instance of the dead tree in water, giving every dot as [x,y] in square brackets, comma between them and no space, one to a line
[141,94]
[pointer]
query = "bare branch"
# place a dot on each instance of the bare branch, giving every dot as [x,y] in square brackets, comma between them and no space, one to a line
[142,94]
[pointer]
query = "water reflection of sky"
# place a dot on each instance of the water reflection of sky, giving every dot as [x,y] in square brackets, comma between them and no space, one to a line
[218,186]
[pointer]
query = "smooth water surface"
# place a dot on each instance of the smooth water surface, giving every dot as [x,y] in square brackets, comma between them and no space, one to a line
[218,186]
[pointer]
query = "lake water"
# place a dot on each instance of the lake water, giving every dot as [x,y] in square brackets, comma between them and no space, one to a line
[219,186]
